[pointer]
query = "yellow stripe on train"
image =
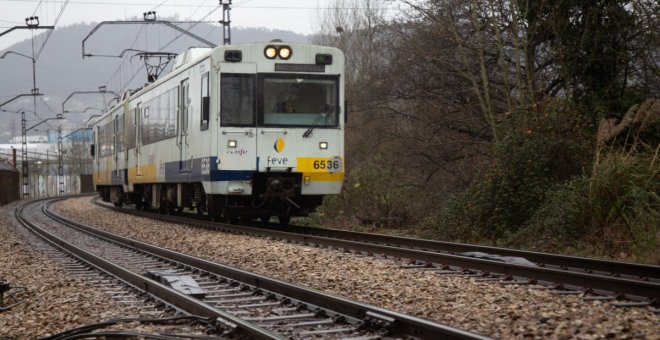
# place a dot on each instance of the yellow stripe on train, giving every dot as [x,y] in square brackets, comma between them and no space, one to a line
[146,174]
[324,177]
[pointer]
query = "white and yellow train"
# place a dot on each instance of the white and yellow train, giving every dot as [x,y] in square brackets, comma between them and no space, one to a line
[237,131]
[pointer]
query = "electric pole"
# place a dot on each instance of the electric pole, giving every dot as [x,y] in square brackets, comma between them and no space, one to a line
[226,22]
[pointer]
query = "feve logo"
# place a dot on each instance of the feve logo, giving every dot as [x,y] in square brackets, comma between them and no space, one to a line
[279,145]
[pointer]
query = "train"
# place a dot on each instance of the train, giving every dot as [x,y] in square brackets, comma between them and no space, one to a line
[249,131]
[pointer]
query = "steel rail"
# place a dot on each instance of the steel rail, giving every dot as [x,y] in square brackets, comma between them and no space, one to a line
[592,264]
[637,289]
[182,301]
[404,324]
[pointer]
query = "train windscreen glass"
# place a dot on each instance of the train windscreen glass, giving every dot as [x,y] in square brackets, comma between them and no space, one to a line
[237,99]
[299,101]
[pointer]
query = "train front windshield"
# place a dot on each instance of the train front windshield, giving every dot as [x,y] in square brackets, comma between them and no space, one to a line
[297,100]
[279,100]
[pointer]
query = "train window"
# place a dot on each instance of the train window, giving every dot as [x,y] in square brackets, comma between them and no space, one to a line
[99,143]
[138,123]
[144,126]
[159,119]
[204,123]
[119,133]
[130,128]
[237,93]
[106,140]
[114,132]
[299,100]
[184,103]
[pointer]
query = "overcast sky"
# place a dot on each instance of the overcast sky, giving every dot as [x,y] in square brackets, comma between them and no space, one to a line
[296,15]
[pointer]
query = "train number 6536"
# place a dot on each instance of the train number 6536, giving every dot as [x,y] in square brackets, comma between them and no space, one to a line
[329,164]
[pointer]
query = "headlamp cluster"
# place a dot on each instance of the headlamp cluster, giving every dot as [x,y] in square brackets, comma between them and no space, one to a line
[272,51]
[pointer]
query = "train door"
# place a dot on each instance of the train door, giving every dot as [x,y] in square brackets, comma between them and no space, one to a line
[138,138]
[118,129]
[115,155]
[237,137]
[98,137]
[185,162]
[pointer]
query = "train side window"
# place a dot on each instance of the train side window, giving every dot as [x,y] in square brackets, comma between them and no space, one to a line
[120,132]
[92,148]
[237,104]
[115,134]
[206,101]
[184,103]
[145,133]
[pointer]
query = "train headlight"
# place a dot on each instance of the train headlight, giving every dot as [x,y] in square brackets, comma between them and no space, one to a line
[270,52]
[323,145]
[231,143]
[285,52]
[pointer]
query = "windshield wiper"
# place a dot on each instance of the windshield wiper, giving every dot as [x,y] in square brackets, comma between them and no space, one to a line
[314,124]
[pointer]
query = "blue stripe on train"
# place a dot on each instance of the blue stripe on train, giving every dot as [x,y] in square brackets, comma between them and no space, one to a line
[199,170]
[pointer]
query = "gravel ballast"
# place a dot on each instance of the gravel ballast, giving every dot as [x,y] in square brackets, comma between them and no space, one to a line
[54,299]
[483,307]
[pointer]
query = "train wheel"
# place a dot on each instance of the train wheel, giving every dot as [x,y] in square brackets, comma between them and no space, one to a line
[284,220]
[264,218]
[230,217]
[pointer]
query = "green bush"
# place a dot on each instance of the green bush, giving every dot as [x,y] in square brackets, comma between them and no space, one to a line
[615,212]
[622,209]
[509,190]
[374,194]
[552,227]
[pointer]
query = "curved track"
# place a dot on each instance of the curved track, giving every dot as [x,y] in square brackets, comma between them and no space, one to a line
[244,304]
[638,283]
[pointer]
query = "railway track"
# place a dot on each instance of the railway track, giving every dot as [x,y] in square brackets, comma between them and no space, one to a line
[626,284]
[243,304]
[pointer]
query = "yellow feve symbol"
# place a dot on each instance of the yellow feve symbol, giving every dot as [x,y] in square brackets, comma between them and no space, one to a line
[279,145]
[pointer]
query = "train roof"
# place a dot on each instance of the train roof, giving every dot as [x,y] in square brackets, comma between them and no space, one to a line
[189,55]
[195,54]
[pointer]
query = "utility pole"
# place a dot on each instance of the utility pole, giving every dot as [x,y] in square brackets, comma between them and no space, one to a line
[25,180]
[226,22]
[47,172]
[34,94]
[60,165]
[31,23]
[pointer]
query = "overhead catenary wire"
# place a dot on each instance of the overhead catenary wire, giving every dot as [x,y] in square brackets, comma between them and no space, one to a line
[50,32]
[143,4]
[37,8]
[137,72]
[120,69]
[158,6]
